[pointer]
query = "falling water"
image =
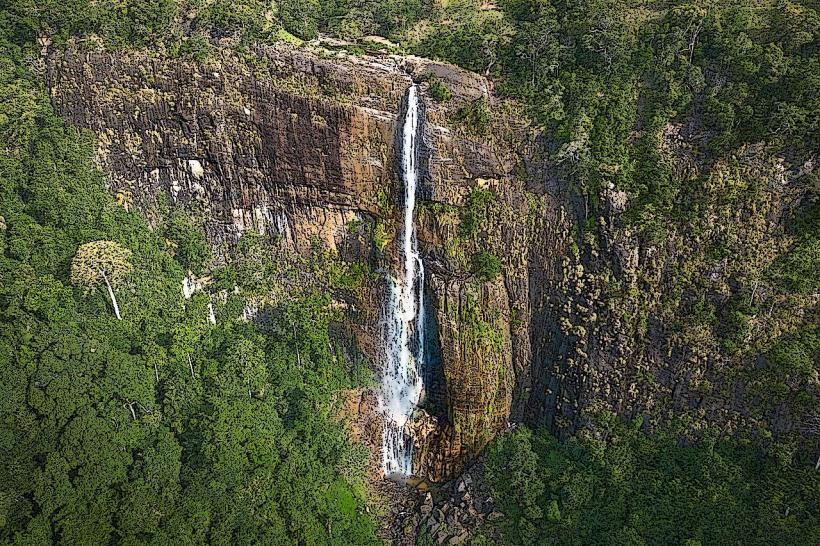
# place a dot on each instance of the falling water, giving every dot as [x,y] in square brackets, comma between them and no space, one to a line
[401,380]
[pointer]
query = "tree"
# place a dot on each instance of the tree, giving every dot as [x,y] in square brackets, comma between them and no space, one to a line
[299,17]
[513,469]
[535,43]
[97,261]
[486,266]
[192,249]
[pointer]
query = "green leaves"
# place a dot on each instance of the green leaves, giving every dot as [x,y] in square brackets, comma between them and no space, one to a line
[162,427]
[190,247]
[100,261]
[638,489]
[299,17]
[475,118]
[486,266]
[513,471]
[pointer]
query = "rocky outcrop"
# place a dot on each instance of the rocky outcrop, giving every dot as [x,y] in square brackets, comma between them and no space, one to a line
[586,315]
[641,327]
[299,144]
[286,143]
[457,513]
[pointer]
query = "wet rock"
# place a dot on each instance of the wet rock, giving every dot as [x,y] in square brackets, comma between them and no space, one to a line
[426,507]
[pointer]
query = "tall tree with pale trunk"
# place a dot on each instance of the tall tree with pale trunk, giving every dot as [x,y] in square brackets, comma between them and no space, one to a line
[101,262]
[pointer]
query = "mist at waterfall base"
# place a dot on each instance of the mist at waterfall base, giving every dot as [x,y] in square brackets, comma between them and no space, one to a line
[402,320]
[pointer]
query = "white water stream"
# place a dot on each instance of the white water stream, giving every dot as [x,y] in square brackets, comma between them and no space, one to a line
[402,385]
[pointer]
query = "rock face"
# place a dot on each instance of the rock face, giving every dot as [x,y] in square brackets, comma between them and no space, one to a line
[288,144]
[300,145]
[451,514]
[618,325]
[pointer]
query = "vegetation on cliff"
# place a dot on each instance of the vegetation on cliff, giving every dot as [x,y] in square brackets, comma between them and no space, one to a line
[163,425]
[620,486]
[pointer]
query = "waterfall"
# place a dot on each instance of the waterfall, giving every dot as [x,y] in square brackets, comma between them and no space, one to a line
[402,320]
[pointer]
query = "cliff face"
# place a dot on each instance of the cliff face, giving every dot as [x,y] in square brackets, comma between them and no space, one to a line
[288,144]
[301,145]
[644,330]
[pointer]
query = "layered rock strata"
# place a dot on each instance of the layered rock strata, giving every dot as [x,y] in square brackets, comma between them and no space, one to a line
[585,317]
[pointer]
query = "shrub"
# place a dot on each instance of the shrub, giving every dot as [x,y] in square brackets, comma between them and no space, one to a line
[553,512]
[480,199]
[299,17]
[438,91]
[380,236]
[475,117]
[486,266]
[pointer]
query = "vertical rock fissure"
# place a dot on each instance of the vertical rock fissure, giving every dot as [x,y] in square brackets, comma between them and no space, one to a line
[402,383]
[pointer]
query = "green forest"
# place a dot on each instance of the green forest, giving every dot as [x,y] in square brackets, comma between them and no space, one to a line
[158,428]
[126,417]
[624,487]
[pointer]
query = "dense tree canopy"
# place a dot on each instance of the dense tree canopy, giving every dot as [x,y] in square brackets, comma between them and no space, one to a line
[620,486]
[164,428]
[160,428]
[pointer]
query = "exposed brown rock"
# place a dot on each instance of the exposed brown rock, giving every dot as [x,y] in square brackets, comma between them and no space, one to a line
[300,144]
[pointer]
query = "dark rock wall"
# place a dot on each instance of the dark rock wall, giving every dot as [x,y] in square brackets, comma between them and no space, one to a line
[299,143]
